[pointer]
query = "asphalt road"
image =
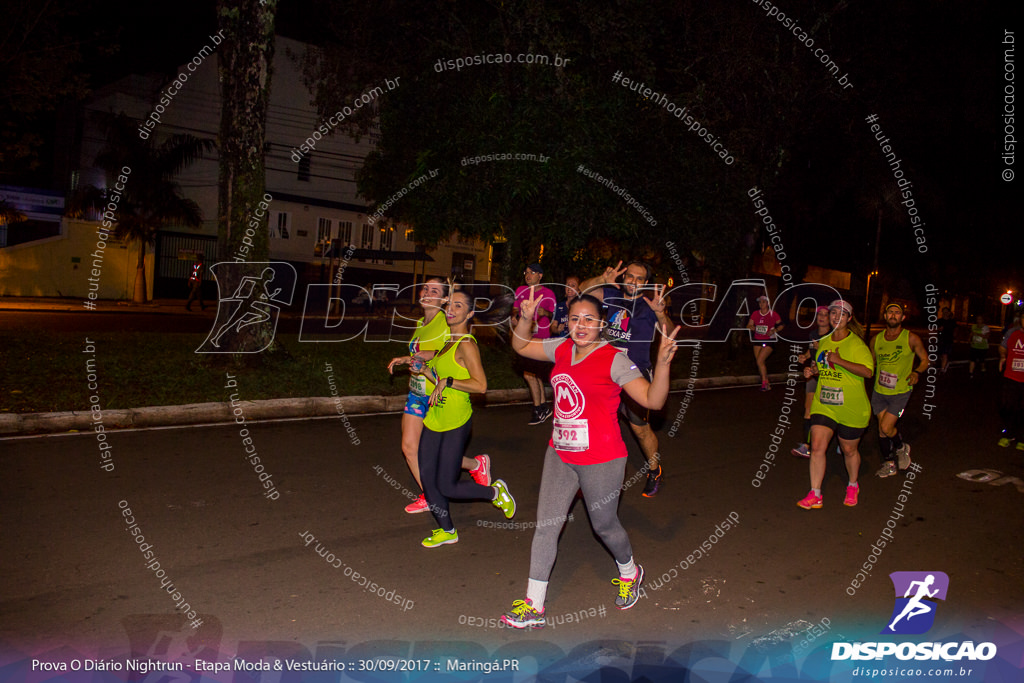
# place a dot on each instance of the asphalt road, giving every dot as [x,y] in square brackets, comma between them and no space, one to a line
[74,578]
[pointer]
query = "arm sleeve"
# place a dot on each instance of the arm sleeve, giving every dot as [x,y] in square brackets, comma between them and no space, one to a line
[862,354]
[550,344]
[623,370]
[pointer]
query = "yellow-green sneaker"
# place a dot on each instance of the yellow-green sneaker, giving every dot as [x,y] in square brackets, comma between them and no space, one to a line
[504,500]
[629,589]
[441,537]
[523,615]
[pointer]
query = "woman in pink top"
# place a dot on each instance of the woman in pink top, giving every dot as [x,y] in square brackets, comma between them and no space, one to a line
[765,323]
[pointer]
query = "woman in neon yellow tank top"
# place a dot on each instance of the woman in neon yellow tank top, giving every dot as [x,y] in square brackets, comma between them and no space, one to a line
[457,372]
[430,336]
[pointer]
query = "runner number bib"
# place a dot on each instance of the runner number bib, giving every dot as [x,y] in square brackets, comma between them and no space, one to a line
[761,330]
[570,435]
[418,385]
[888,379]
[831,396]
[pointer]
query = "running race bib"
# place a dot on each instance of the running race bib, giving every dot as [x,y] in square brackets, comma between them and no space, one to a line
[977,339]
[887,379]
[1017,365]
[831,396]
[570,435]
[418,385]
[761,330]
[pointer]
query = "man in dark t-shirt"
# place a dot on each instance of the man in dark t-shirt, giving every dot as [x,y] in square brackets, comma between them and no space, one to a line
[632,320]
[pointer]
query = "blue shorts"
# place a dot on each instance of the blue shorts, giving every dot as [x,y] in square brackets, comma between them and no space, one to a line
[416,405]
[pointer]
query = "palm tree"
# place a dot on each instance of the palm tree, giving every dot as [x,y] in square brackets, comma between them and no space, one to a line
[151,199]
[9,214]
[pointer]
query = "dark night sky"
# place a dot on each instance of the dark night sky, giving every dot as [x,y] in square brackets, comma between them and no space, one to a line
[945,118]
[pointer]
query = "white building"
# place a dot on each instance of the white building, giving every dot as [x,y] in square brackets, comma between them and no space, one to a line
[314,200]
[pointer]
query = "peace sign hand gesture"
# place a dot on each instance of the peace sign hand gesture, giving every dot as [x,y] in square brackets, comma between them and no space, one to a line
[658,304]
[667,346]
[612,274]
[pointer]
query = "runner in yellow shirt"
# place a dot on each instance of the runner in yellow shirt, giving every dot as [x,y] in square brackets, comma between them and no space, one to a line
[840,404]
[894,349]
[430,336]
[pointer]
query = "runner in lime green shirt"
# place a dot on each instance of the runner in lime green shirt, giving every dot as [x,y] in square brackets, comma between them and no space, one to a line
[430,336]
[457,372]
[895,349]
[840,404]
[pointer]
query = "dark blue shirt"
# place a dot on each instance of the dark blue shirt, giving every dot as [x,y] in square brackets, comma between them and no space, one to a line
[561,316]
[631,325]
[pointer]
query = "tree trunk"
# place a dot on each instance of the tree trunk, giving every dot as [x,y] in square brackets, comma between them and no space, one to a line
[246,60]
[139,296]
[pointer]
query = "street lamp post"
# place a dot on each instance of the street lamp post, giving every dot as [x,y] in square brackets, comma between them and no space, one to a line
[867,306]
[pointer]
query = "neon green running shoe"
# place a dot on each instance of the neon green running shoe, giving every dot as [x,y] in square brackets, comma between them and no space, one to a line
[441,537]
[504,500]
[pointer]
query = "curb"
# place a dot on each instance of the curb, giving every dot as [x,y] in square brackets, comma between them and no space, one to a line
[274,409]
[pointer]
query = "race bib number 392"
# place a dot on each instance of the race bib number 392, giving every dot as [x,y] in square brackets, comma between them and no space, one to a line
[571,435]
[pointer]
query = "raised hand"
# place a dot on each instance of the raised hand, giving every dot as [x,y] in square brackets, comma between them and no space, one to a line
[612,274]
[528,306]
[667,345]
[657,304]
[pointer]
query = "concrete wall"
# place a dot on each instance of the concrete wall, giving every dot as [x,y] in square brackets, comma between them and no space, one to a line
[63,265]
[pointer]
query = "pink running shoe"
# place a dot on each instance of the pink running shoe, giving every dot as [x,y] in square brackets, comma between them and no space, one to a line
[810,501]
[418,505]
[851,495]
[482,474]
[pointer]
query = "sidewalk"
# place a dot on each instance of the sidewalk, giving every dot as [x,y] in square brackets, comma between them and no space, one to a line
[12,424]
[161,306]
[75,304]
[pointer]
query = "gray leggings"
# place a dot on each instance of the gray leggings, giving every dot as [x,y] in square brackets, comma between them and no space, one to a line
[558,486]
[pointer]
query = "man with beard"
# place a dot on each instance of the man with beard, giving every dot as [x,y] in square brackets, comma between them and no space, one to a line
[894,349]
[632,320]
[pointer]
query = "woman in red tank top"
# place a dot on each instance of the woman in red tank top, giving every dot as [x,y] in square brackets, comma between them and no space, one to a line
[586,451]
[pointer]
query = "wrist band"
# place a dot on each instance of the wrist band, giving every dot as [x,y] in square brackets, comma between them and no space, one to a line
[448,382]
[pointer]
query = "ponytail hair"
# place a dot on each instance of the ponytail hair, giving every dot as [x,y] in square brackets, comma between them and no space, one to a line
[854,326]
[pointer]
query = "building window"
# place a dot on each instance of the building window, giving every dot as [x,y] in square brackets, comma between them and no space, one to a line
[279,226]
[323,229]
[345,232]
[304,163]
[323,236]
[387,240]
[367,240]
